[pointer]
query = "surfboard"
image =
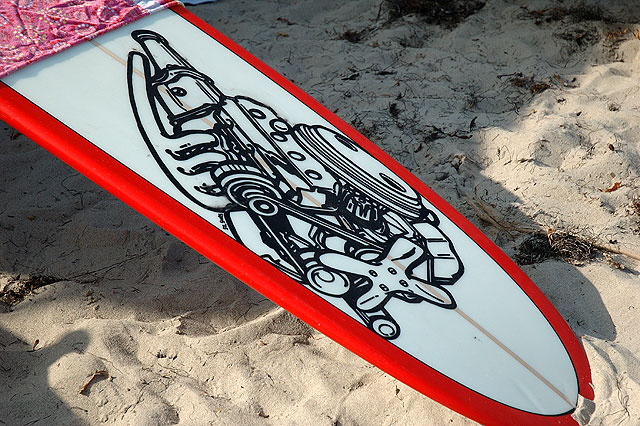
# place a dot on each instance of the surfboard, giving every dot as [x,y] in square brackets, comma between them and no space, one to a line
[201,137]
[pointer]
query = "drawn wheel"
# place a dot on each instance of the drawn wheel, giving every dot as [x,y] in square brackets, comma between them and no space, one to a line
[327,281]
[263,206]
[243,188]
[385,327]
[365,254]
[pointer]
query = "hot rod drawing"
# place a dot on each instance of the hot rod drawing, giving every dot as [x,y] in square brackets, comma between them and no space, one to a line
[302,196]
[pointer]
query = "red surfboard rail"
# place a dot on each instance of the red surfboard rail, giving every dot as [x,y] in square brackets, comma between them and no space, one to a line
[223,250]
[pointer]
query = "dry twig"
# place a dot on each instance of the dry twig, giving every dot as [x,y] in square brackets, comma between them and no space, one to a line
[98,373]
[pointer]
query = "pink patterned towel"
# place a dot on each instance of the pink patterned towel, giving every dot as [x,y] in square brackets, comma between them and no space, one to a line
[33,29]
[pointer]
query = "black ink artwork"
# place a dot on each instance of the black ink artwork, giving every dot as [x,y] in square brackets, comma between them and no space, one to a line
[304,197]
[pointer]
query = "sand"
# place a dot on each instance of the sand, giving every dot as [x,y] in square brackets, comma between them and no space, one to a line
[524,117]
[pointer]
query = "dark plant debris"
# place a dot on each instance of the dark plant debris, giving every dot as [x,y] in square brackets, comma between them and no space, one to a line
[575,14]
[433,133]
[285,20]
[573,248]
[582,35]
[19,288]
[635,209]
[555,245]
[369,131]
[447,13]
[353,36]
[636,206]
[352,76]
[540,245]
[621,34]
[534,249]
[394,110]
[529,83]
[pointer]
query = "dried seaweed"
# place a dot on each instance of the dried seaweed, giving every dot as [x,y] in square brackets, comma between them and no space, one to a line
[635,205]
[447,13]
[353,36]
[541,245]
[529,83]
[571,247]
[19,288]
[635,210]
[579,13]
[555,245]
[534,249]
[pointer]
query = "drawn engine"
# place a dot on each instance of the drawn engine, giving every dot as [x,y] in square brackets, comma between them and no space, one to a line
[304,197]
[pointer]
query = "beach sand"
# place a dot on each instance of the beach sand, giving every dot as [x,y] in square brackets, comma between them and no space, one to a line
[525,116]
